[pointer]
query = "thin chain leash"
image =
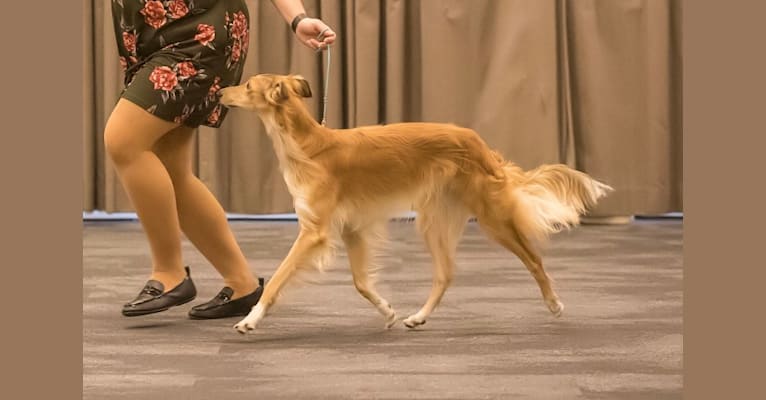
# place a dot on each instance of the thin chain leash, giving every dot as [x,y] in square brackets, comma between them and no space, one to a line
[326,80]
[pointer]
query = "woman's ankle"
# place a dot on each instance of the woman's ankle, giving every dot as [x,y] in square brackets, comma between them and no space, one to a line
[242,286]
[169,278]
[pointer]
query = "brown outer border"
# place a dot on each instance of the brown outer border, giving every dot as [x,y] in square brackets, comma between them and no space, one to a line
[723,181]
[41,167]
[42,156]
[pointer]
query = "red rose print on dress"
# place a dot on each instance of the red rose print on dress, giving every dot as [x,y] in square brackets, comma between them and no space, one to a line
[239,38]
[178,9]
[129,40]
[154,14]
[214,116]
[213,91]
[205,35]
[245,43]
[163,78]
[186,69]
[236,51]
[185,114]
[239,25]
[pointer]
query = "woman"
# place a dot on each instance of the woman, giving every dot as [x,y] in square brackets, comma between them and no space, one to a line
[177,54]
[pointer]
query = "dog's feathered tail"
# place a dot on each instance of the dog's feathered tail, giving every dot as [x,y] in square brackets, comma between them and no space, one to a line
[549,198]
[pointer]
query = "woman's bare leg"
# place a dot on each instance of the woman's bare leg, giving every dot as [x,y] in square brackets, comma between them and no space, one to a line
[201,216]
[130,134]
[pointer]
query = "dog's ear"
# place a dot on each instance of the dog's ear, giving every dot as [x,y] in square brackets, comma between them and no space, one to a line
[301,86]
[277,93]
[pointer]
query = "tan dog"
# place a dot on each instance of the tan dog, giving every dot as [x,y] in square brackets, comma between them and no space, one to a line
[347,183]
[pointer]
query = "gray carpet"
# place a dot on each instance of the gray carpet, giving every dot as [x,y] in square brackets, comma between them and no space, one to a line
[492,337]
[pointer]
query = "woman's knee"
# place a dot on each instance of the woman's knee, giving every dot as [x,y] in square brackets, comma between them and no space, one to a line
[130,131]
[118,144]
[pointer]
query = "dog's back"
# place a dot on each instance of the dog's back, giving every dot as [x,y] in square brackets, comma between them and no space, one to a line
[404,159]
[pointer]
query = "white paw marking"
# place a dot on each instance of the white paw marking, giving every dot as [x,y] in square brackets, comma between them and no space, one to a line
[250,321]
[555,306]
[391,320]
[413,321]
[389,313]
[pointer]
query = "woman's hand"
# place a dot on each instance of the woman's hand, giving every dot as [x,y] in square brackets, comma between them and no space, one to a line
[309,30]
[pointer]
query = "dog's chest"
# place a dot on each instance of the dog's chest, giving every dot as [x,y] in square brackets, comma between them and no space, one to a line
[292,182]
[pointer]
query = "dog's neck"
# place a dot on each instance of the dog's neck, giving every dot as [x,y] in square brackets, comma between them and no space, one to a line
[291,118]
[289,126]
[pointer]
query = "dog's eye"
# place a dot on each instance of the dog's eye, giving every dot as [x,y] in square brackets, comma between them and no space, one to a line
[248,85]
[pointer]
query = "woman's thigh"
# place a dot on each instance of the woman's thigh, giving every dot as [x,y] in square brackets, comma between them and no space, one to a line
[131,130]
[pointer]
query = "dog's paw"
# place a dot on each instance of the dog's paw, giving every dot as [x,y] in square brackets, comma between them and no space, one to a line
[555,306]
[414,321]
[248,323]
[391,320]
[388,313]
[245,326]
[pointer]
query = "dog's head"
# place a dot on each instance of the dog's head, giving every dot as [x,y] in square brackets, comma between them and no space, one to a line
[265,91]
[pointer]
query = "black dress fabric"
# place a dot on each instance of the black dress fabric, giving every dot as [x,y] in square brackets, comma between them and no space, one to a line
[177,54]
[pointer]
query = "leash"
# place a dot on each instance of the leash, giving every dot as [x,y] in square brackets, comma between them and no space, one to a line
[320,37]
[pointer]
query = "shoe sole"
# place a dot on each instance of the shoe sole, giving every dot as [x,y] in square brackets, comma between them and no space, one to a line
[196,317]
[147,312]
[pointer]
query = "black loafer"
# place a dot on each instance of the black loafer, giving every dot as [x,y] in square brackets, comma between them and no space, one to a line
[152,299]
[222,306]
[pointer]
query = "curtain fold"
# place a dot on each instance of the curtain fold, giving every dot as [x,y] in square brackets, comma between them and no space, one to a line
[592,84]
[625,97]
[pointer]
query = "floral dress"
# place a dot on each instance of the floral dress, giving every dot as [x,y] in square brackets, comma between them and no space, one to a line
[177,54]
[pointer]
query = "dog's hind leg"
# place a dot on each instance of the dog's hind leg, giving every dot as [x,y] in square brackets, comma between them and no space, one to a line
[509,237]
[358,246]
[441,228]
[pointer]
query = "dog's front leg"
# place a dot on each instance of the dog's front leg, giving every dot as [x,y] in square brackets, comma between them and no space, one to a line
[305,248]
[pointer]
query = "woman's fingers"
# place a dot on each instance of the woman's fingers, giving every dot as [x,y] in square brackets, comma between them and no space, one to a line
[328,37]
[315,33]
[313,44]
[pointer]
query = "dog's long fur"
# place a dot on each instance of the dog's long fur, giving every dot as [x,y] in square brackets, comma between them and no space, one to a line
[348,183]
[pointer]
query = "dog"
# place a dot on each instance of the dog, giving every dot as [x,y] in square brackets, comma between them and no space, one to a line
[347,183]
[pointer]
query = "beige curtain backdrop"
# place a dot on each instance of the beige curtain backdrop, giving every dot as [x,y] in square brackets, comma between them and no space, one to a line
[593,84]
